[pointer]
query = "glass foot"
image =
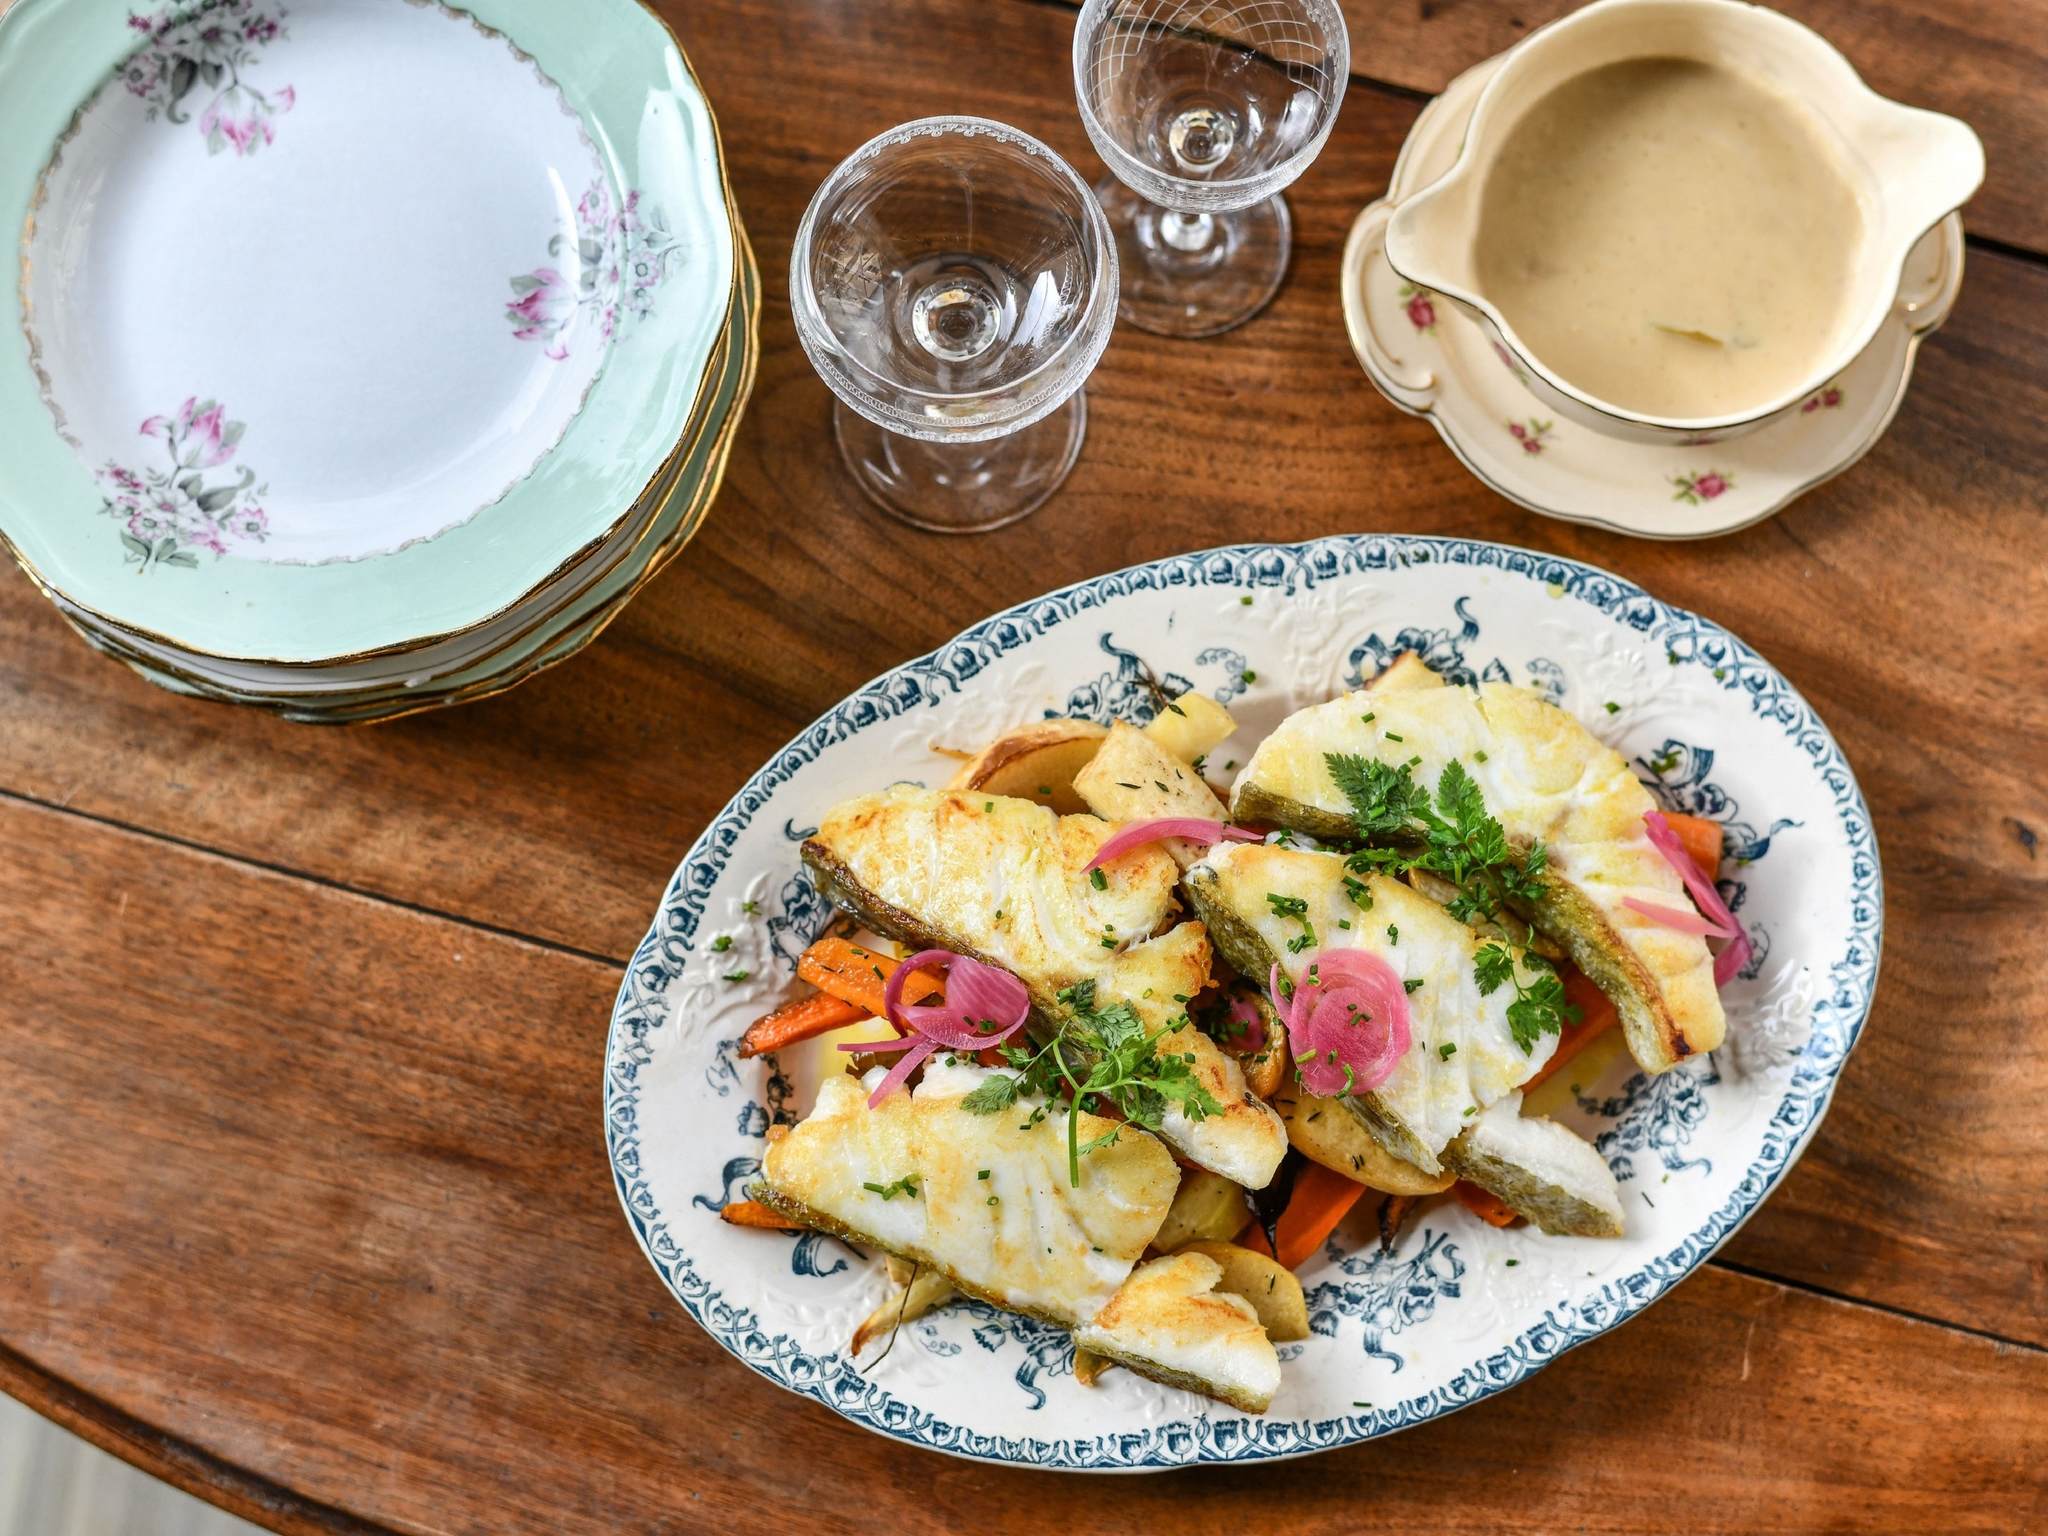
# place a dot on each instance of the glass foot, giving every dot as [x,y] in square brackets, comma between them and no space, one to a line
[961,487]
[1195,274]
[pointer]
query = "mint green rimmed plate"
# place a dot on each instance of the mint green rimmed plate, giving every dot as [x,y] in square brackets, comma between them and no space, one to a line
[689,493]
[298,372]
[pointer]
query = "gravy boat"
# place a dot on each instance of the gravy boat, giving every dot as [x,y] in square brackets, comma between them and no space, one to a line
[1909,169]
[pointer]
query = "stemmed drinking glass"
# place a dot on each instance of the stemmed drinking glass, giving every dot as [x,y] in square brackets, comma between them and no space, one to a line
[954,282]
[1204,111]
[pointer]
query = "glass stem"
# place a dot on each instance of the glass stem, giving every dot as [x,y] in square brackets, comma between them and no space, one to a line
[1187,232]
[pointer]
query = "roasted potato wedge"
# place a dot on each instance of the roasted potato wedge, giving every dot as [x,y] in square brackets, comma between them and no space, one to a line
[1273,1290]
[911,1295]
[1207,1205]
[1132,778]
[1325,1132]
[1090,1367]
[1035,763]
[1406,670]
[1191,726]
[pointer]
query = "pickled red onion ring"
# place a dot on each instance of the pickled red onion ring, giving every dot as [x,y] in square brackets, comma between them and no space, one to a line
[1193,829]
[1348,1026]
[1665,841]
[1246,1012]
[1682,921]
[977,995]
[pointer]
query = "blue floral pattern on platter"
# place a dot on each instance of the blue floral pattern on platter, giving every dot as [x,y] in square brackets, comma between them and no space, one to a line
[1368,1300]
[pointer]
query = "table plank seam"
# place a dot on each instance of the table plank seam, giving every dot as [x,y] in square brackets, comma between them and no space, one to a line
[1904,1314]
[324,882]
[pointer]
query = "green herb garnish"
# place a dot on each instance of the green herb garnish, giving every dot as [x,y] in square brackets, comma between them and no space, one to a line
[1099,1055]
[907,1185]
[1539,1007]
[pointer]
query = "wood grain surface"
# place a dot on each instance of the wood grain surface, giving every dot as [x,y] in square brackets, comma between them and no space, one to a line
[303,1200]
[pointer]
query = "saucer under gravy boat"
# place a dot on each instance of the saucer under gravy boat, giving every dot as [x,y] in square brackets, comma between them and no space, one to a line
[1431,359]
[1570,226]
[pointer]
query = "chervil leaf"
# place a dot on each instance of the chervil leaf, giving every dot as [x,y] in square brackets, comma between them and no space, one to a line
[992,1096]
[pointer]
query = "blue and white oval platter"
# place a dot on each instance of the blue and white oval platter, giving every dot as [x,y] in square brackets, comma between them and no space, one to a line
[1458,1310]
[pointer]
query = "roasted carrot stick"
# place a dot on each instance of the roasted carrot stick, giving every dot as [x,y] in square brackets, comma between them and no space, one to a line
[1320,1200]
[803,1018]
[1484,1204]
[752,1213]
[1702,840]
[856,974]
[1596,1016]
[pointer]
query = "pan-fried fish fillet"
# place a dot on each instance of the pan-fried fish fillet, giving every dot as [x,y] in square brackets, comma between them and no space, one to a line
[1023,1238]
[1246,1142]
[996,878]
[1003,880]
[1541,1169]
[1547,779]
[1169,1322]
[1464,1055]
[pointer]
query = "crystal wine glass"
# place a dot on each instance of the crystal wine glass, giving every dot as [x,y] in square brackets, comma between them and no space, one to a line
[1204,110]
[954,282]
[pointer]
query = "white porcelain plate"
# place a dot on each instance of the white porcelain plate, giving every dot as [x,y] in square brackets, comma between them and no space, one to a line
[345,323]
[1458,1310]
[1433,360]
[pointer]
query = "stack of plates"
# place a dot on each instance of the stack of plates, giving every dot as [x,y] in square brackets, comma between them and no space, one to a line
[369,357]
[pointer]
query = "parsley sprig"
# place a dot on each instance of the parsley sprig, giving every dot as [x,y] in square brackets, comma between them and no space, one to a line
[1098,1056]
[1539,1007]
[1448,834]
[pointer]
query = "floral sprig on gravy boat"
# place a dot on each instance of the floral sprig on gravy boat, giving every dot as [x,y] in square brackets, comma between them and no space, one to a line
[1696,488]
[1419,307]
[208,48]
[618,256]
[168,510]
[1531,433]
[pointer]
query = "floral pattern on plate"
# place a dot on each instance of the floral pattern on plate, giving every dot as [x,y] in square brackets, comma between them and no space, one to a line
[169,512]
[1700,486]
[618,256]
[205,49]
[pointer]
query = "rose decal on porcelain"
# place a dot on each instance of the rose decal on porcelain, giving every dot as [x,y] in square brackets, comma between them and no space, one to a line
[618,256]
[1696,488]
[1530,434]
[1826,400]
[1419,306]
[169,510]
[208,47]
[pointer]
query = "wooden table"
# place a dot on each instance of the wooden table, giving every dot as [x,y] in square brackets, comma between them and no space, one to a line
[303,1198]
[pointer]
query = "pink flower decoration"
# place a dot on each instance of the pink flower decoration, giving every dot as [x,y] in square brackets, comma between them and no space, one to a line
[212,437]
[1708,486]
[1831,398]
[1421,313]
[285,99]
[156,426]
[1530,445]
[185,413]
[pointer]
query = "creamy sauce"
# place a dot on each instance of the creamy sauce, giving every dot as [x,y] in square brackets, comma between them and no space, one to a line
[1669,237]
